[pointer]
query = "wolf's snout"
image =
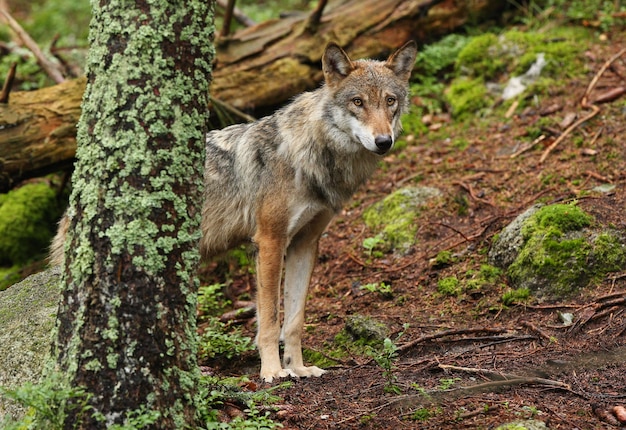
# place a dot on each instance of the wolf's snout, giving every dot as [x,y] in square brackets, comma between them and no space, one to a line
[383,142]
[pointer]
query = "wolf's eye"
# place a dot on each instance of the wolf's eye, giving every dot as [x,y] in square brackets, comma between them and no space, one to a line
[391,101]
[357,101]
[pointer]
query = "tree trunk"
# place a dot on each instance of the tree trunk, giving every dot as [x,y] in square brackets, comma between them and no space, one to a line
[126,323]
[258,68]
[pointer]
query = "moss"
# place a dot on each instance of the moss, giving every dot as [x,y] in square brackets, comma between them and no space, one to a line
[440,56]
[443,259]
[561,253]
[28,218]
[467,96]
[450,286]
[367,328]
[318,359]
[395,216]
[491,58]
[9,276]
[512,53]
[476,59]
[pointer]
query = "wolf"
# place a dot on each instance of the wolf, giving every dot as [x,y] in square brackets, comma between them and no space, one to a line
[280,180]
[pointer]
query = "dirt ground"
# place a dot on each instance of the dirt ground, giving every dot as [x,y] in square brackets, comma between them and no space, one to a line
[468,361]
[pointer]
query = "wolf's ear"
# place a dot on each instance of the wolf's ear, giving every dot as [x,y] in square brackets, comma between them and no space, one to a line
[336,64]
[402,61]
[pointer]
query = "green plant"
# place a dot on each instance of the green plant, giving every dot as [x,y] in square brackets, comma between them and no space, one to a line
[217,340]
[138,419]
[211,300]
[369,243]
[215,392]
[381,288]
[47,403]
[385,358]
[421,414]
[519,295]
[447,383]
[421,390]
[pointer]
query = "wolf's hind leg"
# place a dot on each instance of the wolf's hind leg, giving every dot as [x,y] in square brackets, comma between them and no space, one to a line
[300,260]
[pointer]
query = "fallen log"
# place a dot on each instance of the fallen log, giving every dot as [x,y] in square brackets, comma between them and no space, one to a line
[258,68]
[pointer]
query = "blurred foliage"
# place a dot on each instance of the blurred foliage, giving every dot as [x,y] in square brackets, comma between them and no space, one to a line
[601,14]
[67,20]
[28,217]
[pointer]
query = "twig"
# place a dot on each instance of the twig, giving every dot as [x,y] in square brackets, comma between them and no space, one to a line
[595,79]
[316,16]
[528,147]
[48,66]
[232,109]
[453,229]
[237,14]
[470,190]
[505,378]
[228,17]
[594,112]
[585,104]
[451,332]
[536,329]
[8,84]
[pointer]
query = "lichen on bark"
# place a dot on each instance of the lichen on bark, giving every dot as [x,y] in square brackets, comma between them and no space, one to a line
[125,328]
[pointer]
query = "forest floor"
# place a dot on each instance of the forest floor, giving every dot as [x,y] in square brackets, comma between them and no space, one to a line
[469,361]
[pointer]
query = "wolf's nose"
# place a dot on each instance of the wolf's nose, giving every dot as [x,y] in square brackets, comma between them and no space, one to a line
[383,142]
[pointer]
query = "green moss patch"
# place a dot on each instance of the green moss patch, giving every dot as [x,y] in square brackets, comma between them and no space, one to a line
[493,59]
[28,217]
[561,253]
[394,218]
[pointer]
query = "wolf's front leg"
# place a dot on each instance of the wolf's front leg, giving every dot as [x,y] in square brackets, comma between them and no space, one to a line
[300,260]
[269,273]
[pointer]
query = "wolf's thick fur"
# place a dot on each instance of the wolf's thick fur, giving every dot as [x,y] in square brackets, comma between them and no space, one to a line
[280,180]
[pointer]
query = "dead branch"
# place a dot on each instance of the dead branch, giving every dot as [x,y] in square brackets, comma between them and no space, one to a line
[470,190]
[237,14]
[8,84]
[228,17]
[316,16]
[451,332]
[48,66]
[584,104]
[537,330]
[501,379]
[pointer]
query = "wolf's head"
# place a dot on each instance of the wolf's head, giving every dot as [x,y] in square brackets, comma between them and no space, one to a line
[369,96]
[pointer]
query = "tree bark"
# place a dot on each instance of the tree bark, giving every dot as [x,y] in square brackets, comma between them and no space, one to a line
[257,69]
[126,322]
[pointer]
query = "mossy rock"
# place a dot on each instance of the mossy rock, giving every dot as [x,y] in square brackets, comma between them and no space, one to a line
[27,315]
[523,425]
[366,328]
[28,217]
[394,218]
[558,250]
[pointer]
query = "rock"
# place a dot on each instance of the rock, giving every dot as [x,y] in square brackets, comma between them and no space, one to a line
[366,328]
[556,250]
[27,316]
[523,425]
[506,246]
[395,216]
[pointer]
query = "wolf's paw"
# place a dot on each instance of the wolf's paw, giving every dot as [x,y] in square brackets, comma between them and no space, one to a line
[269,375]
[305,372]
